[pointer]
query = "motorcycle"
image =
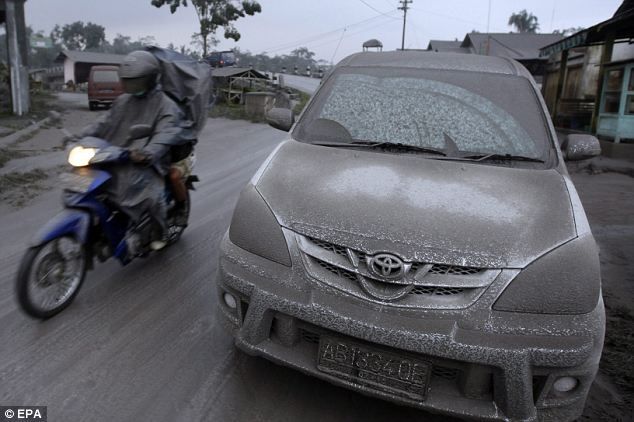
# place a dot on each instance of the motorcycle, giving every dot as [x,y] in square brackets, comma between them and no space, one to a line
[54,266]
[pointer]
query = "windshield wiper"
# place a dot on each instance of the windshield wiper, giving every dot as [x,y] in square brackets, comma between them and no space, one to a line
[502,157]
[402,147]
[386,145]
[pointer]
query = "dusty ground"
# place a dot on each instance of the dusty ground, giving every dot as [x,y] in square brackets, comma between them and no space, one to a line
[608,199]
[30,164]
[27,169]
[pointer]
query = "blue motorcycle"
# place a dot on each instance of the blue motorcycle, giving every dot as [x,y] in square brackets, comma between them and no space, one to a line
[54,267]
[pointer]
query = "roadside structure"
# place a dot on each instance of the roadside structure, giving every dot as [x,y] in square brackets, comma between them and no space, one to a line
[374,44]
[12,15]
[77,64]
[590,80]
[522,47]
[232,82]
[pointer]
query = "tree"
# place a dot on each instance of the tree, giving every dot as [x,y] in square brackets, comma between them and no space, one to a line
[524,22]
[80,36]
[303,53]
[213,14]
[123,44]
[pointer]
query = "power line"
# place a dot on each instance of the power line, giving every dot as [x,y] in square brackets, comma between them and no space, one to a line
[376,10]
[317,37]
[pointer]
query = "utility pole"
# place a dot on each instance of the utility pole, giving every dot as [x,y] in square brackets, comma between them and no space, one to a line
[404,7]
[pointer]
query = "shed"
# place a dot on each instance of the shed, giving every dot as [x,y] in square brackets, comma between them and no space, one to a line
[77,64]
[231,82]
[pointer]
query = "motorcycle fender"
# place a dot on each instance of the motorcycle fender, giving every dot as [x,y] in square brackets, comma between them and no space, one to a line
[69,222]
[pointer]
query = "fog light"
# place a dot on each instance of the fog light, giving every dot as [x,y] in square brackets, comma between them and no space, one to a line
[230,301]
[565,384]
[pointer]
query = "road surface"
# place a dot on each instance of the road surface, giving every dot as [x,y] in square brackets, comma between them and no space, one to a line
[302,83]
[144,342]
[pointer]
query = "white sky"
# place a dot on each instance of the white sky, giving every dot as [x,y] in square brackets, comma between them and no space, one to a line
[319,24]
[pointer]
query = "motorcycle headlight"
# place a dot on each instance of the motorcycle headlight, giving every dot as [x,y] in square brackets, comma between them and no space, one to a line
[254,228]
[80,156]
[566,280]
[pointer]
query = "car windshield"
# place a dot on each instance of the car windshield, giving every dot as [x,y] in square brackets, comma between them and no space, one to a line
[462,113]
[105,76]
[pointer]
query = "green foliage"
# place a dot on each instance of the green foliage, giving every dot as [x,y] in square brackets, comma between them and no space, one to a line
[79,36]
[300,57]
[213,14]
[524,22]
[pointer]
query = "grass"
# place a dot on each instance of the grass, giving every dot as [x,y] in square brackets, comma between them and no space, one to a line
[303,100]
[233,112]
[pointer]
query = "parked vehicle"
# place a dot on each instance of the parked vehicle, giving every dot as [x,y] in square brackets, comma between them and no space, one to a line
[53,268]
[103,86]
[417,238]
[221,59]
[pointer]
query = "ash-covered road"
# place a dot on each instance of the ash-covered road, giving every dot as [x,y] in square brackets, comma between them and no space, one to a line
[144,342]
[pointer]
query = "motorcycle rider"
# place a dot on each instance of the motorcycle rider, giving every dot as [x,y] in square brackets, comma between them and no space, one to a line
[138,187]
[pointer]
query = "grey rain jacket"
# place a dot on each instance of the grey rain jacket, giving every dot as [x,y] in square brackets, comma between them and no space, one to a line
[136,188]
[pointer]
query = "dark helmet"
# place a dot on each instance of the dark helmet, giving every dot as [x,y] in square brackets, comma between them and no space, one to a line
[139,72]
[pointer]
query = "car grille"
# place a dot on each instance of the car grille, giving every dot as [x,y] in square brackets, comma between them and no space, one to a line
[427,285]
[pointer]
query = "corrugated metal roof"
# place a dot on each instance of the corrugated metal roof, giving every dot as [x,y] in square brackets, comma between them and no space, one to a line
[440,46]
[621,26]
[90,57]
[512,45]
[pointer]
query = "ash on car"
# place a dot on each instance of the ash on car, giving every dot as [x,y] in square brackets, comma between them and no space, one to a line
[418,239]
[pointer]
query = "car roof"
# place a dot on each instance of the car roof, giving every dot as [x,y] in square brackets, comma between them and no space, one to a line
[436,61]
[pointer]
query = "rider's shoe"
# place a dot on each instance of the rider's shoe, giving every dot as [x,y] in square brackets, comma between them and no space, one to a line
[157,245]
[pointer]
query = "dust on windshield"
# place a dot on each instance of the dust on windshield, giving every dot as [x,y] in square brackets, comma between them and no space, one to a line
[429,112]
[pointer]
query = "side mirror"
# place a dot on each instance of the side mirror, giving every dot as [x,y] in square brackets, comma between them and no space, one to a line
[281,118]
[580,147]
[139,132]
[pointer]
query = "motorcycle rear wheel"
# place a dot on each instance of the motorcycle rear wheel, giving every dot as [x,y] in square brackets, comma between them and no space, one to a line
[50,275]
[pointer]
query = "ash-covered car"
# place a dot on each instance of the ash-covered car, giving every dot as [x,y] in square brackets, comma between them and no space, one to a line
[418,239]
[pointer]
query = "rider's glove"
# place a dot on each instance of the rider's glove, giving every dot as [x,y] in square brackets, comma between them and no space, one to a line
[140,157]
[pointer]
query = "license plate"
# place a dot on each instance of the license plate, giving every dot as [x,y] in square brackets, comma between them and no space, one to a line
[385,371]
[106,91]
[76,182]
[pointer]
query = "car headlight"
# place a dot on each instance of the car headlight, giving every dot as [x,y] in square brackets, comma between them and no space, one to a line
[80,156]
[254,228]
[566,280]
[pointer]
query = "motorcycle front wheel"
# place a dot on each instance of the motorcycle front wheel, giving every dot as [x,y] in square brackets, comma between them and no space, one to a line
[50,276]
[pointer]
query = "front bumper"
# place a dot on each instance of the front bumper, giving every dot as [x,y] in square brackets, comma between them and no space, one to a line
[485,364]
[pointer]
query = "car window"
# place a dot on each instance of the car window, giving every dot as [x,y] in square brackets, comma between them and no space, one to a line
[105,76]
[484,113]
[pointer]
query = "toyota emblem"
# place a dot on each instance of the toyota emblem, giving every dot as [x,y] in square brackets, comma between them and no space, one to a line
[387,266]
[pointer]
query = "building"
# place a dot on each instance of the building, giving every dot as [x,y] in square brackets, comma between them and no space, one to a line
[77,64]
[590,80]
[523,47]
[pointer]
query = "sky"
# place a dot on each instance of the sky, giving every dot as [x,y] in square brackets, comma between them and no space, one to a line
[332,29]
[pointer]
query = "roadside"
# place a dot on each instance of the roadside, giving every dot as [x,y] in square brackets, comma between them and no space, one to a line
[606,188]
[32,158]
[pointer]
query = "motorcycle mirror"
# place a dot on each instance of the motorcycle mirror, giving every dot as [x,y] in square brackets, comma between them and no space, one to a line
[139,131]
